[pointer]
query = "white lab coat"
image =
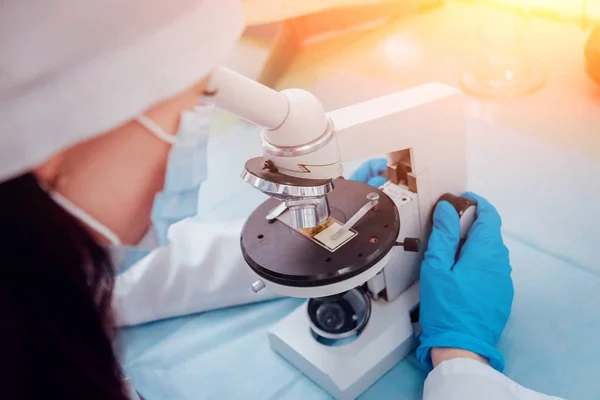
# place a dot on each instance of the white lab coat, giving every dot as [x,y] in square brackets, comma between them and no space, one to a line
[203,269]
[467,379]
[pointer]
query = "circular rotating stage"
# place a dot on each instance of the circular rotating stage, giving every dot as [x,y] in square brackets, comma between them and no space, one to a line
[283,256]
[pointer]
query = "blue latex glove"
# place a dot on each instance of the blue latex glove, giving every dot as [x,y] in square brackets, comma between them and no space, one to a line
[370,172]
[465,305]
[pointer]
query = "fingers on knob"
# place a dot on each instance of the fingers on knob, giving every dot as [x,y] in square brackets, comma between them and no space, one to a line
[445,236]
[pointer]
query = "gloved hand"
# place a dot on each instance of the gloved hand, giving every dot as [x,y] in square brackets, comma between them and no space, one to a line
[465,305]
[370,172]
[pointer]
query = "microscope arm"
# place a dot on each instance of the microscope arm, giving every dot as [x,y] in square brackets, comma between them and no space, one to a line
[422,131]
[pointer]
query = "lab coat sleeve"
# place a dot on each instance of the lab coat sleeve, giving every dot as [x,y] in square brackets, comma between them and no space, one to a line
[467,379]
[201,269]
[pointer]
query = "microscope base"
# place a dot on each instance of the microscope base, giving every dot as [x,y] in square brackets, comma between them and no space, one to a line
[346,371]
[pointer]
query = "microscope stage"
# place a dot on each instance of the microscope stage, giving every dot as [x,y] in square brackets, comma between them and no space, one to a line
[286,257]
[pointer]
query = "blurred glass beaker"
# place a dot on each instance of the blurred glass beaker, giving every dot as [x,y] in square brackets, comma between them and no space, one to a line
[503,65]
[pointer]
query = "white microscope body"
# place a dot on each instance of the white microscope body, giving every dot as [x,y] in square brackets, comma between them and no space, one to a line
[422,130]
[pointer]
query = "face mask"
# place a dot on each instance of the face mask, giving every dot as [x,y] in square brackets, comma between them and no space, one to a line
[186,170]
[124,256]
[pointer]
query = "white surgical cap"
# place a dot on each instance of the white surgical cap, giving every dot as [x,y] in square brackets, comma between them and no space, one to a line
[73,69]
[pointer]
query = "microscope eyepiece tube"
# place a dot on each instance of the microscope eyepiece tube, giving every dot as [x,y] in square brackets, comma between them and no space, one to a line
[246,98]
[292,117]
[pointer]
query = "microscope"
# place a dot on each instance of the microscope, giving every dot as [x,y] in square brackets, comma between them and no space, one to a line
[352,250]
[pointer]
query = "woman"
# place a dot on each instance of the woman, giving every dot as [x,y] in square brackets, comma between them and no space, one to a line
[91,95]
[103,149]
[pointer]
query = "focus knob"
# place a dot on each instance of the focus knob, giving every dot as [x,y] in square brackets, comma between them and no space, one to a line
[411,244]
[467,213]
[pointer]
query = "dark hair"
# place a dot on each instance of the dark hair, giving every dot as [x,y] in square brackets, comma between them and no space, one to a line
[55,302]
